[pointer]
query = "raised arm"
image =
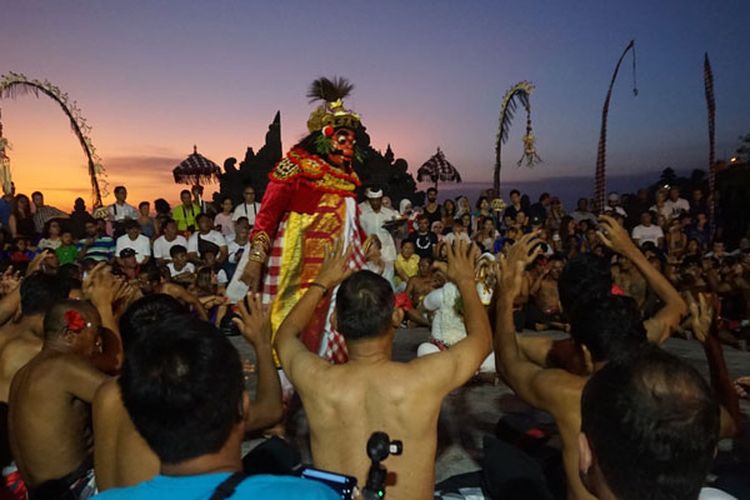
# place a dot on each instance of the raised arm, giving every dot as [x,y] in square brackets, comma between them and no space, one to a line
[660,327]
[186,297]
[532,383]
[101,288]
[296,360]
[704,324]
[452,368]
[255,324]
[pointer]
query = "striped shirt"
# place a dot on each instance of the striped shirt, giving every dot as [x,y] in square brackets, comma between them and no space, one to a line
[102,249]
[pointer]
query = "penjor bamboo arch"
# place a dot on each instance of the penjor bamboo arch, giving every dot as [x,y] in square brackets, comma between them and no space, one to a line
[13,85]
[600,180]
[519,92]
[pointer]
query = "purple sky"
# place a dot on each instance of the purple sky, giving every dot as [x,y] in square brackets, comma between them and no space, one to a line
[153,78]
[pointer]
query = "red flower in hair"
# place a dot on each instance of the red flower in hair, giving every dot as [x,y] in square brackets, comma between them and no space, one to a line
[74,321]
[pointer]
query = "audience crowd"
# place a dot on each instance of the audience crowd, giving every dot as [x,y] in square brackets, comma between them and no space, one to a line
[117,377]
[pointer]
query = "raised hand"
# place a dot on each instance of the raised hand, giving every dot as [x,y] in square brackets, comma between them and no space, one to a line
[9,281]
[512,266]
[701,316]
[462,261]
[614,236]
[38,260]
[100,286]
[335,268]
[254,321]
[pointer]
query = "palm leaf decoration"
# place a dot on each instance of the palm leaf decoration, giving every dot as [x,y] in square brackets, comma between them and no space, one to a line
[519,93]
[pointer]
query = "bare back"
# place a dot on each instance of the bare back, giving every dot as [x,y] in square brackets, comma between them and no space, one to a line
[14,355]
[121,456]
[349,402]
[48,424]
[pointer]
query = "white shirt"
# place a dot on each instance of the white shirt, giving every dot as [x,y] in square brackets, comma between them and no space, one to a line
[675,208]
[162,246]
[714,494]
[665,211]
[372,223]
[141,245]
[189,268]
[245,210]
[119,213]
[213,236]
[233,247]
[651,233]
[221,277]
[618,210]
[451,237]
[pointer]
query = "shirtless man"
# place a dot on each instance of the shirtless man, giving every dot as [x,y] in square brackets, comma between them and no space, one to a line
[346,403]
[423,283]
[632,282]
[22,340]
[602,326]
[151,281]
[545,310]
[122,457]
[49,404]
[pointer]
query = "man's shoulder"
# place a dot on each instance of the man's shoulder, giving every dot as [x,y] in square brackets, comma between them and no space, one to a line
[261,486]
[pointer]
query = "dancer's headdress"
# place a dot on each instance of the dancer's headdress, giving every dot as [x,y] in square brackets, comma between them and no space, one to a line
[331,114]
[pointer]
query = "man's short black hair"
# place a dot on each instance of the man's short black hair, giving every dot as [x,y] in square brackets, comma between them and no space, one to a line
[515,191]
[584,276]
[118,189]
[55,322]
[40,291]
[652,424]
[202,215]
[146,313]
[432,190]
[183,388]
[364,305]
[131,224]
[609,326]
[177,250]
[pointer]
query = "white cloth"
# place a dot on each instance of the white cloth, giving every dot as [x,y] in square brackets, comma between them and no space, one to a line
[714,494]
[50,244]
[189,268]
[578,216]
[162,246]
[221,277]
[213,236]
[675,208]
[387,271]
[618,210]
[487,366]
[372,223]
[651,233]
[246,210]
[119,213]
[141,245]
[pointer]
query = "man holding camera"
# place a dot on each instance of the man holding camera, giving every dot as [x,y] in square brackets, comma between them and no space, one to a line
[346,403]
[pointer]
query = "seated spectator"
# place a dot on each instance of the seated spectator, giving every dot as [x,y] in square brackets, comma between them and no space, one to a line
[151,281]
[189,368]
[121,211]
[649,430]
[648,232]
[249,208]
[675,204]
[148,228]
[186,213]
[67,252]
[21,220]
[458,234]
[50,401]
[203,236]
[97,245]
[134,240]
[582,212]
[223,220]
[78,219]
[424,240]
[127,264]
[374,392]
[180,269]
[237,244]
[44,213]
[22,252]
[425,281]
[406,265]
[374,259]
[51,239]
[164,243]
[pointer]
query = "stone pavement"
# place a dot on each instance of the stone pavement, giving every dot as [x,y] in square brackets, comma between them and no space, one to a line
[471,412]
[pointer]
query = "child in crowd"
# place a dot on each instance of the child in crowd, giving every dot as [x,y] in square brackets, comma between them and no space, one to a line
[67,252]
[406,266]
[22,253]
[180,270]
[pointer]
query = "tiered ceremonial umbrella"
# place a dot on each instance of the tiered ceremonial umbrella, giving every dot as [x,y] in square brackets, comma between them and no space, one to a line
[438,169]
[196,170]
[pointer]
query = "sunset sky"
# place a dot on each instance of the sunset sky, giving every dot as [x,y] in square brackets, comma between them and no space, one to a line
[154,78]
